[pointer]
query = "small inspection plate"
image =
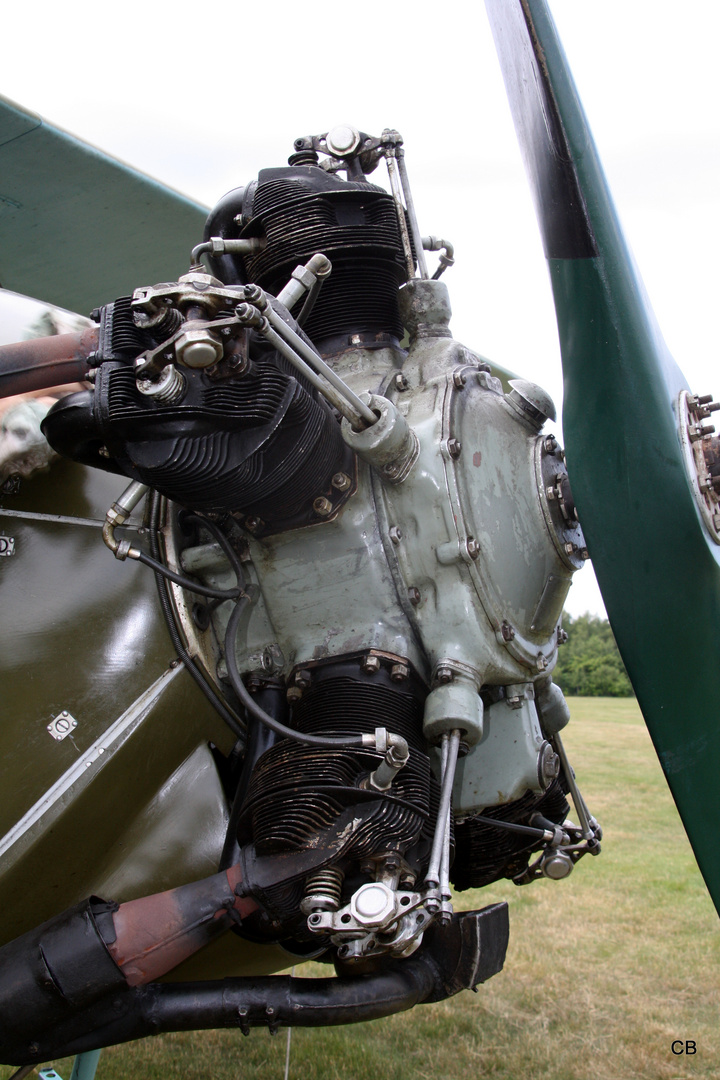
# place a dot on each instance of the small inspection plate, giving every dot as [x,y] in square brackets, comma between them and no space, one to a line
[62,725]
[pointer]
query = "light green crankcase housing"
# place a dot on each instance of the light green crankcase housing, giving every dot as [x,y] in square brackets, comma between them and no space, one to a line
[448,555]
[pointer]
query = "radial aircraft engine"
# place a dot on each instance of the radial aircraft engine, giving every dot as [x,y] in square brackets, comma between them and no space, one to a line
[362,540]
[361,537]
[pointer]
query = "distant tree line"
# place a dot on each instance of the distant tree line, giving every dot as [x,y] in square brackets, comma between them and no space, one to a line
[589,663]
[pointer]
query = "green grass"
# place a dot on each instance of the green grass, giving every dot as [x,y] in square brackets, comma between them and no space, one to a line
[603,972]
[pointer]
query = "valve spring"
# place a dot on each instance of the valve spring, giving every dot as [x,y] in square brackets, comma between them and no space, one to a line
[326,887]
[170,322]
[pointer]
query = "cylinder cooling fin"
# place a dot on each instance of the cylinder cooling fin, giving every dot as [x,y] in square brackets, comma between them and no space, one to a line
[300,210]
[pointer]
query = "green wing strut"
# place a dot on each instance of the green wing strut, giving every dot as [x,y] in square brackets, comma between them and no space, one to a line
[77,227]
[655,559]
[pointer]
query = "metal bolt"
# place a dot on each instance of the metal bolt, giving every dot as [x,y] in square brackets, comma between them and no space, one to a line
[252,524]
[584,553]
[570,548]
[341,481]
[294,693]
[541,662]
[454,448]
[322,506]
[550,444]
[507,631]
[302,679]
[400,381]
[371,664]
[238,363]
[399,672]
[444,675]
[562,636]
[459,378]
[414,595]
[391,469]
[395,534]
[473,547]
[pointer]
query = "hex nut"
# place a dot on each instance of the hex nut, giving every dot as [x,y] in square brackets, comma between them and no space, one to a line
[399,672]
[414,595]
[473,547]
[400,381]
[302,678]
[444,675]
[454,448]
[198,349]
[341,481]
[395,534]
[322,506]
[459,379]
[371,664]
[294,693]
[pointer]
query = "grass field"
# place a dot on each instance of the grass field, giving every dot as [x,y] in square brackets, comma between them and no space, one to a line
[604,971]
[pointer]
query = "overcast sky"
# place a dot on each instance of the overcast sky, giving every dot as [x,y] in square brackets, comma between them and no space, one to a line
[202,96]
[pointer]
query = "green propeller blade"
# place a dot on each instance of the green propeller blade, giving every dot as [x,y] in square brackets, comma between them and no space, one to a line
[78,228]
[655,560]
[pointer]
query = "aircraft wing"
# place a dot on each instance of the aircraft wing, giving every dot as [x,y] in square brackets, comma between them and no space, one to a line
[77,226]
[655,560]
